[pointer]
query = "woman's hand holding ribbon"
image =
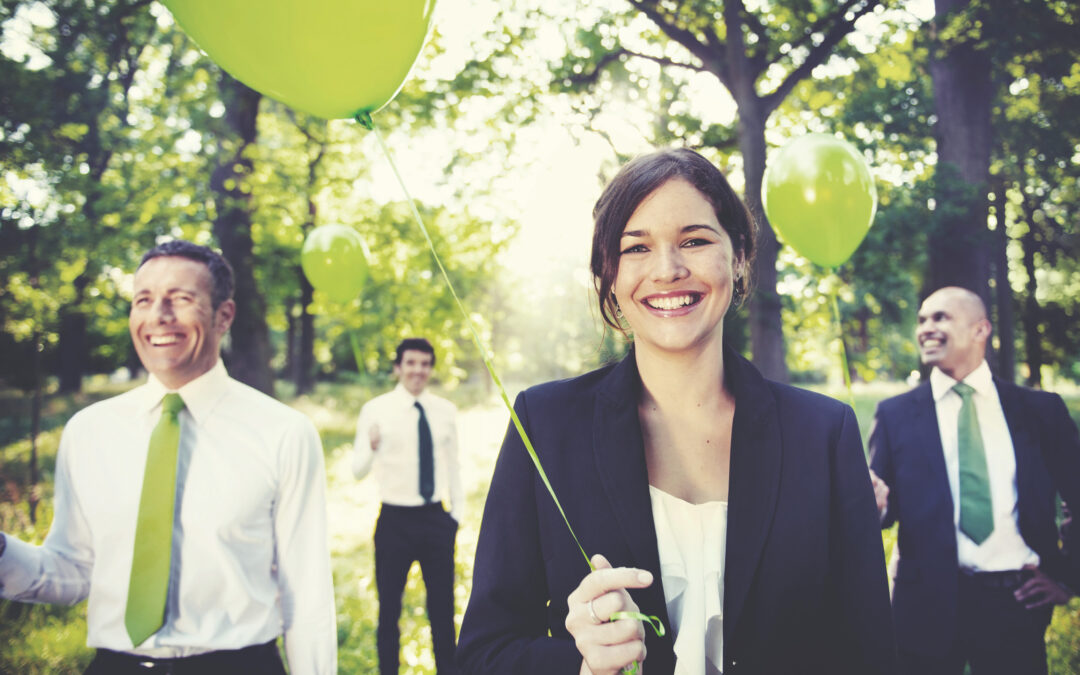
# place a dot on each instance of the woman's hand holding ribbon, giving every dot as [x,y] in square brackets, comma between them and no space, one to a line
[608,646]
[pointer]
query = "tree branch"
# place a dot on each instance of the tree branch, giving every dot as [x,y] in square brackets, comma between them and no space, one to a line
[816,57]
[590,77]
[593,75]
[836,17]
[710,55]
[664,61]
[754,24]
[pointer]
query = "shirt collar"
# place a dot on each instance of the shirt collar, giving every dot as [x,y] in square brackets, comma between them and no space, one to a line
[408,399]
[200,395]
[980,379]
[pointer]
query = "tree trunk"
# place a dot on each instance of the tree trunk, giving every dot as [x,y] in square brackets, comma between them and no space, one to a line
[1003,321]
[1032,314]
[960,247]
[35,429]
[35,368]
[862,335]
[304,357]
[72,349]
[291,333]
[766,326]
[249,353]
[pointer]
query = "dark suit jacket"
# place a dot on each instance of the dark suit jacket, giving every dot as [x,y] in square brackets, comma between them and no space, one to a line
[805,585]
[906,452]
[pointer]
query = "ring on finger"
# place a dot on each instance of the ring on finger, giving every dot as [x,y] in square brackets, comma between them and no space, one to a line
[592,613]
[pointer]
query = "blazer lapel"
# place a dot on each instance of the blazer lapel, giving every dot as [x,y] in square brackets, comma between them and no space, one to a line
[756,455]
[922,425]
[1021,433]
[620,463]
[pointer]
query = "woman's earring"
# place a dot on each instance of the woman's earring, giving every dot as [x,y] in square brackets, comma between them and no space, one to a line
[739,290]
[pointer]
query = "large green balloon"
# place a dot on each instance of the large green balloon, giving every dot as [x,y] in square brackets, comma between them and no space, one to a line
[332,58]
[334,261]
[820,197]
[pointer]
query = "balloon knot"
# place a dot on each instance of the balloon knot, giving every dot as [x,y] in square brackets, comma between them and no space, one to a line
[364,118]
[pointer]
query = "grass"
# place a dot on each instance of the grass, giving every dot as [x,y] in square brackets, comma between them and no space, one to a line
[51,640]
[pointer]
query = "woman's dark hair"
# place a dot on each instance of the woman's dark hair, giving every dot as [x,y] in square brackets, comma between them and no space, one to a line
[637,180]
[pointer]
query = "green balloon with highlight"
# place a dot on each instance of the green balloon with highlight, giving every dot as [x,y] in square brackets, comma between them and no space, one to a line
[334,261]
[820,197]
[331,58]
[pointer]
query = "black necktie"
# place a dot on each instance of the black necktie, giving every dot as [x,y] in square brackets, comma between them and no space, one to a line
[427,457]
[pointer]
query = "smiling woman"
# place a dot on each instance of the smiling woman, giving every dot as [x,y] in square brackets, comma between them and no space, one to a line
[677,270]
[738,510]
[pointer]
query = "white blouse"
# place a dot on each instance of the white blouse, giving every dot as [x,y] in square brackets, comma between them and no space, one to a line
[691,540]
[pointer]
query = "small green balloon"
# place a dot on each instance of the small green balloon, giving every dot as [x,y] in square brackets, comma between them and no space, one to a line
[334,261]
[331,58]
[820,197]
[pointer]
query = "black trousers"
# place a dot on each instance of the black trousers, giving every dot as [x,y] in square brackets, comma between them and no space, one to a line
[425,534]
[255,660]
[996,635]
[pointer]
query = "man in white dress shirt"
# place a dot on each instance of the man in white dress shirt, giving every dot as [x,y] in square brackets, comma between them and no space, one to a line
[971,467]
[204,579]
[410,436]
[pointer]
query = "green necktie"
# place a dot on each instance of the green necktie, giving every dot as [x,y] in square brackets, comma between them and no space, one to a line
[976,507]
[149,584]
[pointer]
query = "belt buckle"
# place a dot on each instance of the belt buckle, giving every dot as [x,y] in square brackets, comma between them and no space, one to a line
[163,666]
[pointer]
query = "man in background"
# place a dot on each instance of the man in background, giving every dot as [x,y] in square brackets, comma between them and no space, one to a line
[410,436]
[971,466]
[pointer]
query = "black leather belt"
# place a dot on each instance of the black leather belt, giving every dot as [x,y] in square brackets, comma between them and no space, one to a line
[1008,579]
[246,660]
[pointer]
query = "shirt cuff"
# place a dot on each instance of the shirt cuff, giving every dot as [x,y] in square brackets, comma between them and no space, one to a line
[16,567]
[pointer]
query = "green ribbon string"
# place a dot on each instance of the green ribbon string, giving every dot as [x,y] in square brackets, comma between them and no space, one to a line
[843,349]
[651,621]
[356,351]
[364,119]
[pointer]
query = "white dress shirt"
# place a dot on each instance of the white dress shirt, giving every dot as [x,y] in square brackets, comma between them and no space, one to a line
[1004,549]
[250,554]
[691,540]
[397,461]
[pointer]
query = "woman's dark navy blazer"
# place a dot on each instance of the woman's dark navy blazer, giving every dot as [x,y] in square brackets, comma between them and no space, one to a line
[804,584]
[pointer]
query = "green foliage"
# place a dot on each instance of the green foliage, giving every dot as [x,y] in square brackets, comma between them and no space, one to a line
[39,639]
[43,639]
[90,167]
[111,148]
[1035,169]
[1063,639]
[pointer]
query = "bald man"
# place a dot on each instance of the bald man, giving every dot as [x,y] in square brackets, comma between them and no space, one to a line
[971,467]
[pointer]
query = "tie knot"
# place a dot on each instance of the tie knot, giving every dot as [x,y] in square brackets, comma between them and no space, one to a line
[419,407]
[964,390]
[172,404]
